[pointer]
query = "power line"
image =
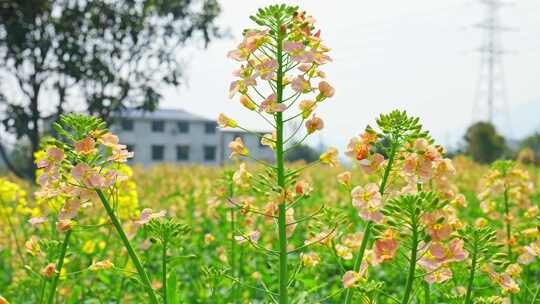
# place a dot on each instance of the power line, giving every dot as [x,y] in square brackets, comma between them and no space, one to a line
[491,86]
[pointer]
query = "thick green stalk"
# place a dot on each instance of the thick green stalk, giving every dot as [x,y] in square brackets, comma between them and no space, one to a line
[412,265]
[134,258]
[468,296]
[164,270]
[59,266]
[367,229]
[282,225]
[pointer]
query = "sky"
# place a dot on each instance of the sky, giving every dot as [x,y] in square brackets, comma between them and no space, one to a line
[416,55]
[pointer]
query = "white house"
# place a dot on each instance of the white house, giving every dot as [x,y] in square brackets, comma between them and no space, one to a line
[177,136]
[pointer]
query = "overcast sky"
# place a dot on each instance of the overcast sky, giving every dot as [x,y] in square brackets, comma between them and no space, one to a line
[415,55]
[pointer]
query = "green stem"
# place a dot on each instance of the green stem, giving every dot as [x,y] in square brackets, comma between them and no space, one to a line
[412,265]
[388,169]
[508,227]
[240,265]
[134,258]
[508,232]
[18,246]
[121,285]
[468,296]
[164,271]
[42,292]
[427,292]
[233,253]
[367,230]
[535,295]
[282,225]
[233,243]
[102,255]
[359,257]
[59,266]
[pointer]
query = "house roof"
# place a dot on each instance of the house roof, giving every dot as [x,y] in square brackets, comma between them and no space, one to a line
[166,114]
[236,130]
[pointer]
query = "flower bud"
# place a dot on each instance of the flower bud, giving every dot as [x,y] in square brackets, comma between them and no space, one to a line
[102,265]
[238,149]
[247,103]
[314,124]
[329,157]
[224,121]
[325,91]
[344,178]
[64,225]
[49,271]
[307,106]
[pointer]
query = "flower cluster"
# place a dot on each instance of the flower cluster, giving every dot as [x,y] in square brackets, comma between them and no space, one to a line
[91,158]
[405,162]
[301,51]
[437,256]
[506,180]
[368,200]
[505,279]
[505,197]
[13,199]
[14,210]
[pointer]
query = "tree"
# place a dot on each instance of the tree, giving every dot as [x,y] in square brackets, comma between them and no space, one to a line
[533,143]
[483,143]
[105,55]
[302,152]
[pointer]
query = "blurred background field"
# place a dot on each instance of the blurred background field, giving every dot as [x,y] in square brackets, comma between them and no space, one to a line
[193,195]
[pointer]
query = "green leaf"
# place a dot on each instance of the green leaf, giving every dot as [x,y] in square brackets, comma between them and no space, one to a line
[176,261]
[172,294]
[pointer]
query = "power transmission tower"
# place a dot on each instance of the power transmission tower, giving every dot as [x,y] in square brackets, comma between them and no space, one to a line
[491,88]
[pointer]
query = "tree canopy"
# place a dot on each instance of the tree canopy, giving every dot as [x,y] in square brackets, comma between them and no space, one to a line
[302,152]
[532,144]
[100,56]
[483,143]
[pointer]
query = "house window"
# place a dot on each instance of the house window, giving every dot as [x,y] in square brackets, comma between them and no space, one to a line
[158,126]
[158,152]
[209,153]
[131,148]
[238,135]
[210,128]
[182,152]
[259,139]
[126,124]
[183,127]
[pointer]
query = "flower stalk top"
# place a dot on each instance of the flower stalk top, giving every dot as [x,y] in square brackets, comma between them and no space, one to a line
[287,50]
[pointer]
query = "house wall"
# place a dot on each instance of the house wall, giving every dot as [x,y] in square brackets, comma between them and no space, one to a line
[142,138]
[251,142]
